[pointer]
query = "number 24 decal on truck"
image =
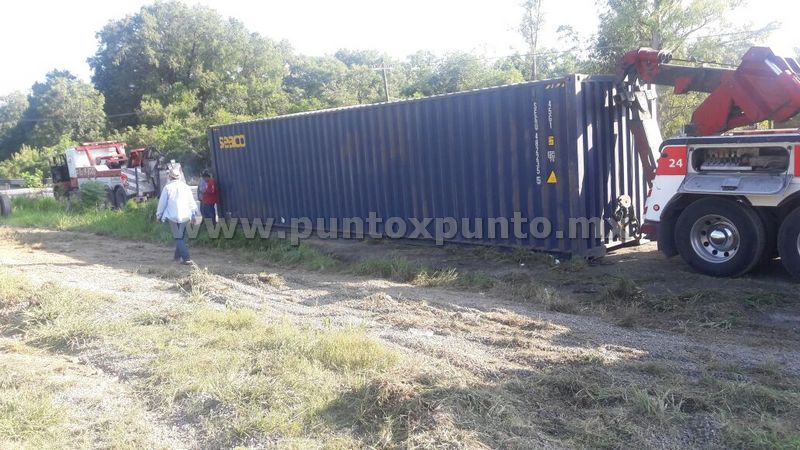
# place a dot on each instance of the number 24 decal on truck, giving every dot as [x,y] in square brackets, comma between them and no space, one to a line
[673,160]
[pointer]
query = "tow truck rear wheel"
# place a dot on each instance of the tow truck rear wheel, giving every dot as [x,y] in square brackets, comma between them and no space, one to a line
[789,243]
[720,237]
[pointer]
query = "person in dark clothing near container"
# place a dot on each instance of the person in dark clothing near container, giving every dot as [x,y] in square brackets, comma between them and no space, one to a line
[209,197]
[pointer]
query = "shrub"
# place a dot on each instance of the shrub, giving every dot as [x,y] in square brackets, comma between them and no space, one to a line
[33,179]
[93,194]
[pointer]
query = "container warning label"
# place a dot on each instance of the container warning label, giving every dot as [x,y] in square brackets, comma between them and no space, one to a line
[551,143]
[536,142]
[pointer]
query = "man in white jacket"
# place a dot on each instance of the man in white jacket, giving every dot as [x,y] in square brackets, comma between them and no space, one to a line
[178,207]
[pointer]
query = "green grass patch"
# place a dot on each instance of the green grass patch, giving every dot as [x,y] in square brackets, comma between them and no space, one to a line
[137,222]
[404,271]
[396,269]
[62,318]
[29,416]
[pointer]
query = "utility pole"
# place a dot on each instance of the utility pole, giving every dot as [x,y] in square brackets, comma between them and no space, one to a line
[384,73]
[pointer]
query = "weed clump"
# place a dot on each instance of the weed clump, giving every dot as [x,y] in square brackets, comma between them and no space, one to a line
[625,290]
[60,318]
[203,286]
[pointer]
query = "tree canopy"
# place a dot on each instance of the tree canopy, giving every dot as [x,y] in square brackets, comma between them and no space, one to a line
[60,106]
[167,44]
[162,75]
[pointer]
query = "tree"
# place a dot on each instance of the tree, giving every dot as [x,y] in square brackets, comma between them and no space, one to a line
[12,127]
[687,28]
[64,106]
[430,75]
[532,21]
[363,82]
[568,57]
[310,81]
[171,123]
[225,65]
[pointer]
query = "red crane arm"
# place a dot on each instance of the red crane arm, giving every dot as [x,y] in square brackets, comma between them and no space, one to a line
[763,87]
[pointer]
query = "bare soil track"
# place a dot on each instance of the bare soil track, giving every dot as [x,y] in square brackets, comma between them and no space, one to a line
[481,333]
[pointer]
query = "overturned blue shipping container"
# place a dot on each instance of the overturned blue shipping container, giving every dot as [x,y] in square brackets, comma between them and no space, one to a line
[543,154]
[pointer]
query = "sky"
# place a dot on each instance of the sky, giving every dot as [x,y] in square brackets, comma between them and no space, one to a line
[38,36]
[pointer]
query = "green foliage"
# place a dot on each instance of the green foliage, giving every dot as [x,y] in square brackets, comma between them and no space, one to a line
[12,134]
[530,27]
[58,110]
[31,163]
[312,82]
[34,179]
[454,72]
[38,204]
[93,195]
[64,105]
[166,44]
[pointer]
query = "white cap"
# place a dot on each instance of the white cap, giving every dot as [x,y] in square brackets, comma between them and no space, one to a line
[174,173]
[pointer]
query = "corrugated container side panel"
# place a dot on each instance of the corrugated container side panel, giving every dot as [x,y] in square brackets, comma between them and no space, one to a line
[294,182]
[275,195]
[564,166]
[595,132]
[569,156]
[587,169]
[534,201]
[261,173]
[470,155]
[607,142]
[333,191]
[281,160]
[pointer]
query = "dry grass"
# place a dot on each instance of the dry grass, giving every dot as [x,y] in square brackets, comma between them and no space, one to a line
[203,286]
[47,402]
[241,379]
[13,290]
[271,279]
[29,415]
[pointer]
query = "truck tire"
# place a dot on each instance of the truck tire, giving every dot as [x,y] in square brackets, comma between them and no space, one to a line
[720,237]
[789,243]
[119,198]
[5,205]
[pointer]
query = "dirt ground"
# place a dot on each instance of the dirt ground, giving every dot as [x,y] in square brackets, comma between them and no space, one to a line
[482,333]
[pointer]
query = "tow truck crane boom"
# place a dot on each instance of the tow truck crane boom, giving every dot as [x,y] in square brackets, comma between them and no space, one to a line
[763,87]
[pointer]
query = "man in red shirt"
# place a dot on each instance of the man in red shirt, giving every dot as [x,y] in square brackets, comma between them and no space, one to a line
[209,197]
